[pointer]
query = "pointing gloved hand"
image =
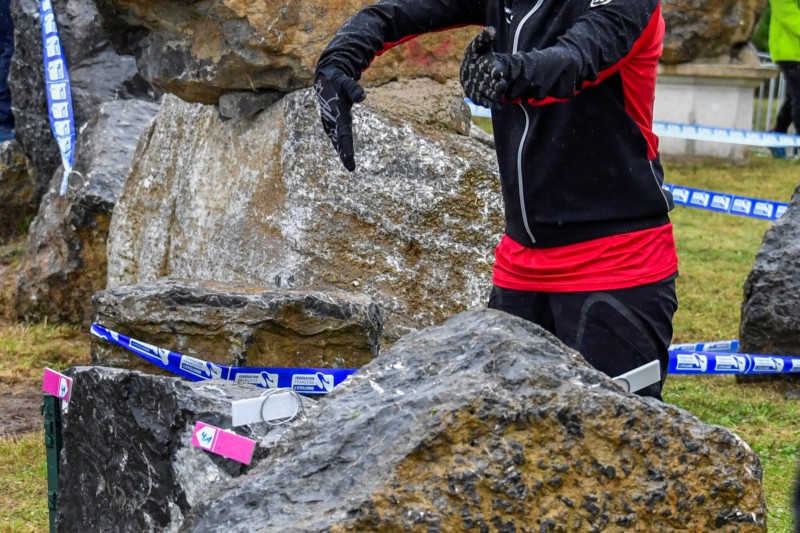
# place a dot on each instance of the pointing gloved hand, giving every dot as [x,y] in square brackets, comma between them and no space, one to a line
[484,74]
[336,93]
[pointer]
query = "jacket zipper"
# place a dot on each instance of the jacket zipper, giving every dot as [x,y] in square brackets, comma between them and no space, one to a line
[514,50]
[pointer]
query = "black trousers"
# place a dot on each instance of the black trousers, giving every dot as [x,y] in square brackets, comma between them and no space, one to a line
[615,331]
[790,109]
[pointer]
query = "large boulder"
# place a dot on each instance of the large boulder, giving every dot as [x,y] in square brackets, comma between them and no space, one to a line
[201,50]
[708,29]
[128,464]
[19,194]
[266,201]
[98,74]
[770,319]
[240,326]
[65,257]
[489,423]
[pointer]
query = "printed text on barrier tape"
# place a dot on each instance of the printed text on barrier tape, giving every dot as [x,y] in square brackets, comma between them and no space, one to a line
[302,380]
[57,87]
[696,362]
[711,346]
[693,132]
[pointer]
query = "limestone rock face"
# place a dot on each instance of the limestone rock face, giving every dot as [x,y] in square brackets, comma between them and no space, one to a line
[266,201]
[489,423]
[65,258]
[770,322]
[128,464]
[240,326]
[18,191]
[201,50]
[708,29]
[98,74]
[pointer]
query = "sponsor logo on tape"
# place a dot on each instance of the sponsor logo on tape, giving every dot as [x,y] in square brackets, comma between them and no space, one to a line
[767,364]
[721,202]
[700,198]
[692,362]
[205,437]
[732,363]
[312,383]
[742,205]
[194,366]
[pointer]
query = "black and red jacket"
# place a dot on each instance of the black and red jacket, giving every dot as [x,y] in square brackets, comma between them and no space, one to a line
[577,155]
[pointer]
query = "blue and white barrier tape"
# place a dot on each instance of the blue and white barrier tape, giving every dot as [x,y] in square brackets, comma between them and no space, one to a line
[726,203]
[697,362]
[59,94]
[302,380]
[713,346]
[693,132]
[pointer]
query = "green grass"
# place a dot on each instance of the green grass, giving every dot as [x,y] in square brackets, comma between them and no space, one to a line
[716,254]
[23,484]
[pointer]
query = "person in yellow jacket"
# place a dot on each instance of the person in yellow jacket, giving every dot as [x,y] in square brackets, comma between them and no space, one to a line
[784,48]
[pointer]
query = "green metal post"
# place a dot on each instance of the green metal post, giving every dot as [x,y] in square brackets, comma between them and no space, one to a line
[53,442]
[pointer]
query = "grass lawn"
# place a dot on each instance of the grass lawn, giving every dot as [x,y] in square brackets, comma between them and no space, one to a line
[716,255]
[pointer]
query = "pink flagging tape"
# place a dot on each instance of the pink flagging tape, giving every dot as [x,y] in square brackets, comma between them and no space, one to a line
[223,442]
[57,384]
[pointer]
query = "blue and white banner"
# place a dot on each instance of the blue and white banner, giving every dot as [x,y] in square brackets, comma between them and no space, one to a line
[713,346]
[726,203]
[59,95]
[697,362]
[302,380]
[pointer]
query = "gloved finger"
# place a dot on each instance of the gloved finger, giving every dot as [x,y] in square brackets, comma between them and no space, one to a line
[353,90]
[483,42]
[345,146]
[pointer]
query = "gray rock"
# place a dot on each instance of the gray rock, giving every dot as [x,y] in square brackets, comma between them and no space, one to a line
[65,258]
[128,464]
[770,318]
[97,74]
[489,423]
[240,326]
[18,191]
[239,106]
[267,202]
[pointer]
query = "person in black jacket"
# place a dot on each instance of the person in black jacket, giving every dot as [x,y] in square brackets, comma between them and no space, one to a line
[588,251]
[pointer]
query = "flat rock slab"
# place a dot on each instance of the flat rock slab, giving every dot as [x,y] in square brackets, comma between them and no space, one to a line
[488,423]
[240,325]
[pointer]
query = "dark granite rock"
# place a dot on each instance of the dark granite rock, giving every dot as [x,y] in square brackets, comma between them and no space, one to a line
[239,325]
[65,259]
[97,74]
[128,464]
[488,423]
[18,191]
[770,320]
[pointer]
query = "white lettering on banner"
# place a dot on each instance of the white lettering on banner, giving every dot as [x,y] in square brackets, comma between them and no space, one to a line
[795,365]
[312,382]
[47,5]
[781,210]
[263,379]
[62,128]
[214,371]
[763,208]
[728,362]
[720,201]
[680,195]
[740,205]
[692,362]
[50,23]
[55,70]
[193,366]
[53,46]
[65,143]
[60,110]
[58,91]
[700,198]
[767,364]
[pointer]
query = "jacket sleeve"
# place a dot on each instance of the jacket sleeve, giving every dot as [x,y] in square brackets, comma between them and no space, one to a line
[378,27]
[787,12]
[594,48]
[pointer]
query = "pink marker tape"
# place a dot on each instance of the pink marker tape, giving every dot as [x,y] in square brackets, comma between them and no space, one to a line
[57,384]
[223,442]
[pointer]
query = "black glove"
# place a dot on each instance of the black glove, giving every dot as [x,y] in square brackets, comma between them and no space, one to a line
[336,93]
[484,74]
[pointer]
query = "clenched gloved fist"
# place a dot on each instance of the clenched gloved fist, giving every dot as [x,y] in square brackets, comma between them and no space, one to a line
[336,93]
[484,75]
